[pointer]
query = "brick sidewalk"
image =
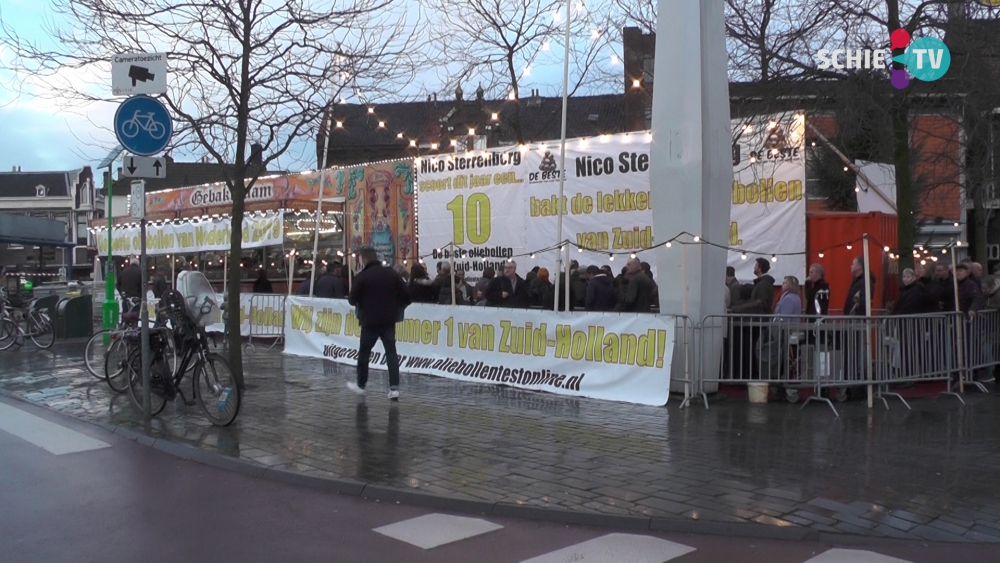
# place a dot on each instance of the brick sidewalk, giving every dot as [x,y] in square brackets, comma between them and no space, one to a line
[925,474]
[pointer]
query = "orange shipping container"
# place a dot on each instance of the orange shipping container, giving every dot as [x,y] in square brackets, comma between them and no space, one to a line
[830,233]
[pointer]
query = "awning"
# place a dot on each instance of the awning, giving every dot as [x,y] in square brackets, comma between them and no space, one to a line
[32,231]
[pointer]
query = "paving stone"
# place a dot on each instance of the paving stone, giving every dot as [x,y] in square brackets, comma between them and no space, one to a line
[490,443]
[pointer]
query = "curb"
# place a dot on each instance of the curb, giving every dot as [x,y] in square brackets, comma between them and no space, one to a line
[350,487]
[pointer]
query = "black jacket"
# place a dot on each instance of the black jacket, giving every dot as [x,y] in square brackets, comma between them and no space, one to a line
[819,291]
[159,285]
[945,294]
[379,294]
[734,293]
[423,291]
[931,293]
[761,301]
[329,286]
[638,293]
[601,294]
[262,285]
[577,290]
[517,296]
[912,300]
[466,298]
[970,295]
[855,302]
[130,281]
[542,294]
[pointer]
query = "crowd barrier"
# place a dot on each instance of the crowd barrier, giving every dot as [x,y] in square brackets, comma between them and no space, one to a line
[266,318]
[827,355]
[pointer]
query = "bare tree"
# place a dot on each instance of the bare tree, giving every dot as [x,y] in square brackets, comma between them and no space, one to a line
[243,72]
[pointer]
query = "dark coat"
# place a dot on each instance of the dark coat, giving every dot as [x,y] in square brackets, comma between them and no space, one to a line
[329,286]
[761,301]
[638,293]
[734,293]
[422,291]
[970,295]
[819,291]
[945,294]
[130,281]
[542,294]
[855,302]
[517,297]
[577,290]
[931,293]
[601,294]
[262,285]
[159,285]
[444,295]
[912,300]
[379,294]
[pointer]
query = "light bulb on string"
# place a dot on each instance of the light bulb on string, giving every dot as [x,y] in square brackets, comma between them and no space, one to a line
[774,258]
[923,262]
[632,255]
[743,256]
[885,248]
[532,255]
[820,254]
[934,258]
[611,257]
[849,247]
[958,243]
[944,251]
[509,260]
[579,249]
[669,244]
[956,223]
[697,238]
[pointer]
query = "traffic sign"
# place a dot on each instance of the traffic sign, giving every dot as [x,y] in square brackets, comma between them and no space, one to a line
[139,73]
[143,126]
[144,167]
[137,205]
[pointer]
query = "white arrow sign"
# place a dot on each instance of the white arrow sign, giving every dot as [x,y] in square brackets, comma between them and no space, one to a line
[144,167]
[139,73]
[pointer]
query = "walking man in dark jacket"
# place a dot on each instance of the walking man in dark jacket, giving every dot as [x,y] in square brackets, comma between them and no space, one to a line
[639,290]
[380,296]
[508,290]
[762,297]
[857,302]
[130,281]
[600,291]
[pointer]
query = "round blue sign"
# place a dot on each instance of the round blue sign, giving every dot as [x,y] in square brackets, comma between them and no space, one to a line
[143,125]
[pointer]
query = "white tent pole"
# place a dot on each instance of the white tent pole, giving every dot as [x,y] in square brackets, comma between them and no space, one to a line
[562,155]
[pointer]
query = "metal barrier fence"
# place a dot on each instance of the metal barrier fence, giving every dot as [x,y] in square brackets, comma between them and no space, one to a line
[266,318]
[982,335]
[829,353]
[684,366]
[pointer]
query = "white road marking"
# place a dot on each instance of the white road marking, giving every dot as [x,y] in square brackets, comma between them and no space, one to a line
[50,436]
[617,548]
[853,556]
[433,530]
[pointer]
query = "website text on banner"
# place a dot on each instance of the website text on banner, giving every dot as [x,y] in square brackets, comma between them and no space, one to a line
[617,357]
[504,202]
[214,234]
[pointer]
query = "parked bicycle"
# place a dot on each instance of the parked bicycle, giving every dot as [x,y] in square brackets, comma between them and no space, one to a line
[37,324]
[213,386]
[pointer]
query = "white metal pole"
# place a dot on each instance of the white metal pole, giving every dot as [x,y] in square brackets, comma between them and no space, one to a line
[565,274]
[225,274]
[959,326]
[291,270]
[868,314]
[562,153]
[451,261]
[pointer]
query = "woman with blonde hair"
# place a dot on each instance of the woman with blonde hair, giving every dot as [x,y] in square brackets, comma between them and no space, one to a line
[790,303]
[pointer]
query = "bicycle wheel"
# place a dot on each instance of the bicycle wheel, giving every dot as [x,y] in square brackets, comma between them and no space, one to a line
[9,333]
[114,365]
[40,330]
[96,352]
[216,390]
[133,367]
[156,130]
[130,129]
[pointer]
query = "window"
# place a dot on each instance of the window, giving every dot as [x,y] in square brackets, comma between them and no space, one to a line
[40,191]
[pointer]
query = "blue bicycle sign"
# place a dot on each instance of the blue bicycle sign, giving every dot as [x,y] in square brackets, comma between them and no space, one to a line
[143,125]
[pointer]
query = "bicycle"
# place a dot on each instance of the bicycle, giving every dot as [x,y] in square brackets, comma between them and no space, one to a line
[38,325]
[145,122]
[213,386]
[125,342]
[104,341]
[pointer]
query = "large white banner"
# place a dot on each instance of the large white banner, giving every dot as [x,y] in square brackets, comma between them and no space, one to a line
[505,202]
[618,357]
[211,234]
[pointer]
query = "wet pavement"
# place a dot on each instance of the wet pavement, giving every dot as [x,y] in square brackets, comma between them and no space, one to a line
[925,474]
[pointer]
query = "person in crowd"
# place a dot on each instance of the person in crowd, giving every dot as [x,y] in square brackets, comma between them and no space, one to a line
[483,285]
[463,291]
[508,290]
[304,286]
[817,291]
[577,286]
[400,269]
[762,295]
[856,303]
[600,291]
[130,281]
[262,284]
[639,290]
[733,285]
[541,291]
[970,297]
[912,298]
[945,288]
[329,285]
[774,340]
[608,272]
[648,270]
[621,284]
[925,279]
[991,289]
[159,285]
[530,276]
[420,286]
[442,281]
[790,302]
[380,297]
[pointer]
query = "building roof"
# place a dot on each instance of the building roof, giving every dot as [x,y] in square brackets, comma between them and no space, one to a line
[23,184]
[180,175]
[429,121]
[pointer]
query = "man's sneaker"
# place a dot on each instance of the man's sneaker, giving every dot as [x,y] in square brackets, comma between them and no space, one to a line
[358,390]
[393,394]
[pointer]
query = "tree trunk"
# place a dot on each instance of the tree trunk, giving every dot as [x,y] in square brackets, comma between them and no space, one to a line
[233,291]
[982,245]
[905,196]
[517,99]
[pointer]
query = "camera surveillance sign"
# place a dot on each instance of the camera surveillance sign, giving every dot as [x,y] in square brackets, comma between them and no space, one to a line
[139,73]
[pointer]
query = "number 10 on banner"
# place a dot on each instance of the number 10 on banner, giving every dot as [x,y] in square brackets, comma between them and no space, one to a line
[473,218]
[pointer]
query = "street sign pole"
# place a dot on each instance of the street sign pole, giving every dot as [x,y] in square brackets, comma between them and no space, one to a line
[139,212]
[110,303]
